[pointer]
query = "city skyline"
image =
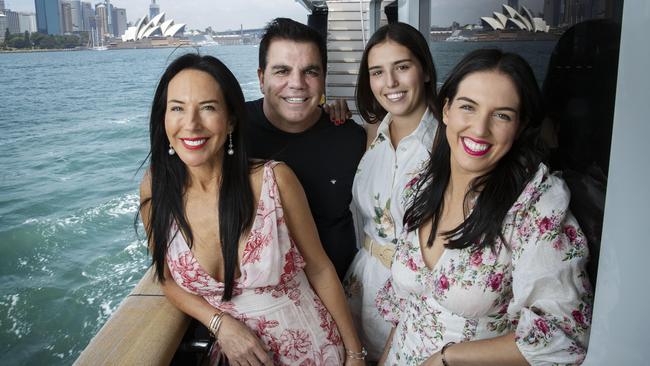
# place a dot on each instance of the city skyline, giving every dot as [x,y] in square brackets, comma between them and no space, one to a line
[219,15]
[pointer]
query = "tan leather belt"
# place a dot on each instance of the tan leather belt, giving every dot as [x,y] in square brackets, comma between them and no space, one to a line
[382,252]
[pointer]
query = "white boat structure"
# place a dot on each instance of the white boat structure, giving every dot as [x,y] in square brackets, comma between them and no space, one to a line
[147,329]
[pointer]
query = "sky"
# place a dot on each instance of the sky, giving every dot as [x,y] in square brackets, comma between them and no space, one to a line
[230,14]
[200,14]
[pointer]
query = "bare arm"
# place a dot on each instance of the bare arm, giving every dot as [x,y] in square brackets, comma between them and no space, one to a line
[501,351]
[237,341]
[389,341]
[319,268]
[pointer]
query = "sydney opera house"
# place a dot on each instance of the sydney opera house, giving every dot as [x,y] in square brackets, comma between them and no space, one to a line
[156,27]
[511,19]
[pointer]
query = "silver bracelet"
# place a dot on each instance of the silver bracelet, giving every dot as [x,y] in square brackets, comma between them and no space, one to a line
[215,324]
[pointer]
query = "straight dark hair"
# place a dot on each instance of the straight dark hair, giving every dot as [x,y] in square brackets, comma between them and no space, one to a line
[498,189]
[289,29]
[409,37]
[169,175]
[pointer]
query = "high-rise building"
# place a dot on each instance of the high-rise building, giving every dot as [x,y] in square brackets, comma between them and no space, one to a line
[3,25]
[87,16]
[119,21]
[101,19]
[27,22]
[12,21]
[48,16]
[75,12]
[552,12]
[66,17]
[109,17]
[154,9]
[2,5]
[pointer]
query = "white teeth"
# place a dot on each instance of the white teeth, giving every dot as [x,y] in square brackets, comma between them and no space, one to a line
[295,100]
[395,96]
[194,142]
[475,146]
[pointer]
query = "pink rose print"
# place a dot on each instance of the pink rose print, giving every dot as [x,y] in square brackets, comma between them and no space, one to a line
[544,225]
[541,325]
[411,264]
[558,244]
[253,249]
[579,317]
[494,281]
[187,268]
[571,233]
[477,258]
[295,343]
[443,283]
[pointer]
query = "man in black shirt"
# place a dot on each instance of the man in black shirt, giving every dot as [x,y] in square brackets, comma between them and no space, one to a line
[288,125]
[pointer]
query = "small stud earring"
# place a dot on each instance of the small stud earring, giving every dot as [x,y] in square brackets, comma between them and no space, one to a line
[231,151]
[171,150]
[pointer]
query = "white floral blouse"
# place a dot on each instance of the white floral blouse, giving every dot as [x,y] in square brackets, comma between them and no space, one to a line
[534,284]
[383,183]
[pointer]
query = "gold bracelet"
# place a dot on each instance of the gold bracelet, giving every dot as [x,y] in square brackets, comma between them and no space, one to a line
[357,355]
[442,353]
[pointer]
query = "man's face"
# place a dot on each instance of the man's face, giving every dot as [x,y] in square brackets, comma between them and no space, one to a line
[292,84]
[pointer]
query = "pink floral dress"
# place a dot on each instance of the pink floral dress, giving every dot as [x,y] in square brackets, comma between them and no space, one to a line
[534,284]
[272,296]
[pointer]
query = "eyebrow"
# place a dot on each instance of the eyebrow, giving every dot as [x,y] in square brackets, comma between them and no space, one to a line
[394,63]
[307,68]
[202,102]
[498,108]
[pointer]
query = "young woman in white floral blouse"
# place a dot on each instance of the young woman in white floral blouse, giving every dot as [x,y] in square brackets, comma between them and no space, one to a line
[397,86]
[491,270]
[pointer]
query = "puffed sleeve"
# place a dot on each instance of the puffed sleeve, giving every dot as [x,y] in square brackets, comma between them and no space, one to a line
[552,297]
[388,303]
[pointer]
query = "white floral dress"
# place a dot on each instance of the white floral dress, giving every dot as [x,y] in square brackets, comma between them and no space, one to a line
[272,296]
[381,187]
[534,284]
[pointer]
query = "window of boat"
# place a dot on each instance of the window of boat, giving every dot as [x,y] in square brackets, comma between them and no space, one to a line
[572,46]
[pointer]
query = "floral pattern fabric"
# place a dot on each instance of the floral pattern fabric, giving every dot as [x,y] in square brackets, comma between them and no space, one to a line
[383,183]
[273,296]
[534,284]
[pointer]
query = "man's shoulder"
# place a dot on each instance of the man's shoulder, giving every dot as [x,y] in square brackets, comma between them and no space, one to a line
[254,105]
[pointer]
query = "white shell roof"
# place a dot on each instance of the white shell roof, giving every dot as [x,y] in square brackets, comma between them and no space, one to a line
[493,23]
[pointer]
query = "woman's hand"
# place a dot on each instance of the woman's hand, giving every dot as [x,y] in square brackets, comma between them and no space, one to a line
[338,111]
[240,345]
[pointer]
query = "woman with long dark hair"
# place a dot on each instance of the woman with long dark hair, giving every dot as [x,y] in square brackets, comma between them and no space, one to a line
[491,269]
[396,89]
[233,242]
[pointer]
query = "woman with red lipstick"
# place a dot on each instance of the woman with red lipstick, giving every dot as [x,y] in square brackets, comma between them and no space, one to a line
[397,86]
[491,267]
[233,242]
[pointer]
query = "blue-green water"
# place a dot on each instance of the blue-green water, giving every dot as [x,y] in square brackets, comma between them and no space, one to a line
[74,132]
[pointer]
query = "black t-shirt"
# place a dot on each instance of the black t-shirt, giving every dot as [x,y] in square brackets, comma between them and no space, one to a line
[325,159]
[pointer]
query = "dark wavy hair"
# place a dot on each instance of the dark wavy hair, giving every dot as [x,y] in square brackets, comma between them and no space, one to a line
[411,38]
[498,189]
[169,175]
[289,29]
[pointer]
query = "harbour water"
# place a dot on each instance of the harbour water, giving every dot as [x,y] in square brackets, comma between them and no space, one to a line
[74,133]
